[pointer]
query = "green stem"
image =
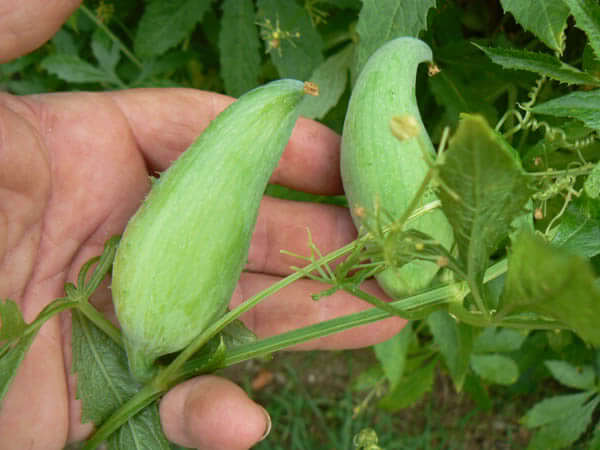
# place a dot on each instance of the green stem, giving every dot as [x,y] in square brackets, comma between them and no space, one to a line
[100,321]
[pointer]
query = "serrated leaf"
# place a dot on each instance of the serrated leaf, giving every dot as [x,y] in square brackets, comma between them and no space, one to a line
[540,63]
[587,18]
[455,341]
[142,432]
[552,282]
[580,105]
[165,24]
[483,190]
[73,69]
[12,323]
[546,19]
[498,340]
[498,369]
[239,47]
[295,57]
[391,354]
[103,378]
[566,429]
[411,389]
[577,377]
[382,20]
[331,76]
[578,230]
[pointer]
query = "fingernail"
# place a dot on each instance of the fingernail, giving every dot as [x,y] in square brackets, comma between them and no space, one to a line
[269,424]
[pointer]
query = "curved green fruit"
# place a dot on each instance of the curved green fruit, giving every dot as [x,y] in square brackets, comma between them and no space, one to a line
[380,168]
[182,253]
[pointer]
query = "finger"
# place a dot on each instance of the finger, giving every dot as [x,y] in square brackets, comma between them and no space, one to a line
[26,25]
[166,121]
[291,226]
[293,307]
[209,412]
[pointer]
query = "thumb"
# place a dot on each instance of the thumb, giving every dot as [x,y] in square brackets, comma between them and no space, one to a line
[210,412]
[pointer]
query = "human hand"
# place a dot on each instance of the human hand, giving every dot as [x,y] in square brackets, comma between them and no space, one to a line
[73,168]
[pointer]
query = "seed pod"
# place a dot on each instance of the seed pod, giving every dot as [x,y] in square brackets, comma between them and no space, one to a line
[382,160]
[182,253]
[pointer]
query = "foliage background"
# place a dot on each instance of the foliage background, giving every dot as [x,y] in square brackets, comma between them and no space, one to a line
[232,46]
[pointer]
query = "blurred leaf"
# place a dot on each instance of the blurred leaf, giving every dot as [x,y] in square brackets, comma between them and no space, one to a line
[540,63]
[164,24]
[577,377]
[483,190]
[495,368]
[455,341]
[380,21]
[547,19]
[592,183]
[239,47]
[411,389]
[391,354]
[587,18]
[563,420]
[75,70]
[498,340]
[64,43]
[106,51]
[581,105]
[554,283]
[331,77]
[295,57]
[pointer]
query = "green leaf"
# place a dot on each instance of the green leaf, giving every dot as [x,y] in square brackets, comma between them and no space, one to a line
[103,378]
[592,183]
[10,360]
[552,282]
[563,419]
[411,389]
[12,324]
[577,377]
[106,51]
[581,105]
[483,190]
[295,57]
[587,18]
[547,19]
[495,368]
[455,341]
[239,47]
[391,354]
[380,21]
[458,96]
[142,431]
[165,24]
[331,76]
[498,340]
[540,63]
[578,230]
[73,69]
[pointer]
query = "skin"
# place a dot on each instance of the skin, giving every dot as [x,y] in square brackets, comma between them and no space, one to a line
[73,168]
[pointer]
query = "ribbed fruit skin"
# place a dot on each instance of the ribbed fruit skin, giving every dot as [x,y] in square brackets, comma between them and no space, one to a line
[182,253]
[377,167]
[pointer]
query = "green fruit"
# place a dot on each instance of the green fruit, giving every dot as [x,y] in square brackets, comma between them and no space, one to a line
[182,253]
[381,169]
